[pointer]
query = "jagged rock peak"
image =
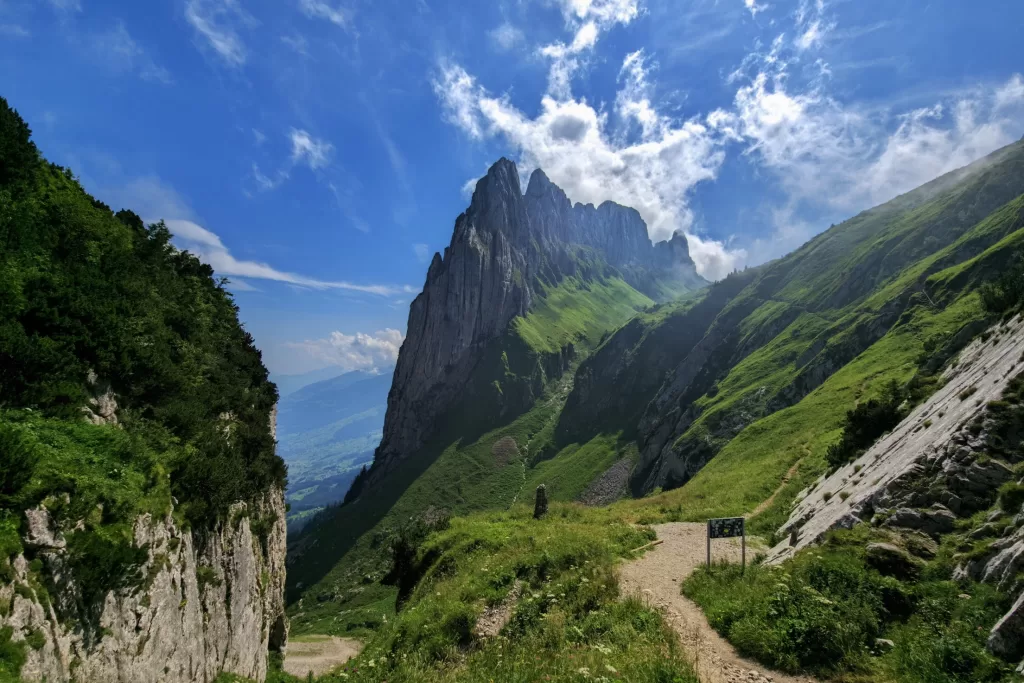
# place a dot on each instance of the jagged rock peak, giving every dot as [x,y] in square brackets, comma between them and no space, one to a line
[500,245]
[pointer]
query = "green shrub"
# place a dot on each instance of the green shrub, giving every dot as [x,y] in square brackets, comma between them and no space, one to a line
[865,424]
[1006,293]
[822,611]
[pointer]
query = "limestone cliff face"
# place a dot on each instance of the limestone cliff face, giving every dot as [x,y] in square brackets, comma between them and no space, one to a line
[501,244]
[208,604]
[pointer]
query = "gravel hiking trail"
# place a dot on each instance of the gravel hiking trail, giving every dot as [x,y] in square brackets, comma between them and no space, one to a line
[657,578]
[318,654]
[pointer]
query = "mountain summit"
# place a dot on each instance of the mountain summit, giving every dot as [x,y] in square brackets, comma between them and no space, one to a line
[507,249]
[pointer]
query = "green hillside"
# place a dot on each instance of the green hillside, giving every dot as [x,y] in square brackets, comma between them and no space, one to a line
[98,309]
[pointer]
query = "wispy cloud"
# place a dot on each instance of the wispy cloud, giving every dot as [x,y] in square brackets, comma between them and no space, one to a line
[14,31]
[309,150]
[320,9]
[217,23]
[119,52]
[154,200]
[208,247]
[66,5]
[587,19]
[754,7]
[359,351]
[422,252]
[506,37]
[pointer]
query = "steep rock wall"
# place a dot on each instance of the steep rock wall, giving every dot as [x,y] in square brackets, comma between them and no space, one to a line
[502,243]
[207,604]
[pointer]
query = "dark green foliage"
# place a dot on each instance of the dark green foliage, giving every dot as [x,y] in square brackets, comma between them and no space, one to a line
[17,464]
[865,424]
[823,610]
[84,290]
[1006,293]
[12,656]
[102,560]
[1005,424]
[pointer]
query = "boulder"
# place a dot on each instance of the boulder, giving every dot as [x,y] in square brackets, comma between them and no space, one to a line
[933,521]
[1006,639]
[891,560]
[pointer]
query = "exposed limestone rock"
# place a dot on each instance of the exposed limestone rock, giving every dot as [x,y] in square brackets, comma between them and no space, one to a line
[502,243]
[102,407]
[177,627]
[891,560]
[933,457]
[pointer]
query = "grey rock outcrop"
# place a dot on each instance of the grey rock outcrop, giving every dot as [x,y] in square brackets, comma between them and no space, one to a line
[504,242]
[208,605]
[931,463]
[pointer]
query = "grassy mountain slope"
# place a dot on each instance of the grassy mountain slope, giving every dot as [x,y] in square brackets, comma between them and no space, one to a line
[762,340]
[466,469]
[746,384]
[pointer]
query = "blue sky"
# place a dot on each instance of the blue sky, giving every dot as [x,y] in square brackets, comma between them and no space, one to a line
[317,152]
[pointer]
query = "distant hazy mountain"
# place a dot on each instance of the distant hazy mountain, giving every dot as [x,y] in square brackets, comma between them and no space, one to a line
[326,432]
[289,384]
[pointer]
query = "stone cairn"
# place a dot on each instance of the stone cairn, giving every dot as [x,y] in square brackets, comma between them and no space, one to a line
[540,504]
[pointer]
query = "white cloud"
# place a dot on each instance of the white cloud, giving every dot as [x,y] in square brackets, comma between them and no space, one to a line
[309,150]
[1010,94]
[827,155]
[422,252]
[587,19]
[14,31]
[66,5]
[216,22]
[754,7]
[318,9]
[506,36]
[209,248]
[153,200]
[848,157]
[358,351]
[122,54]
[574,144]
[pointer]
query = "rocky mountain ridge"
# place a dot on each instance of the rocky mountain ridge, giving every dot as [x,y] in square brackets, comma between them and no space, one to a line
[504,246]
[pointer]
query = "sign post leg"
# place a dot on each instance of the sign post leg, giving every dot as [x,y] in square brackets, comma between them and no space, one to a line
[709,545]
[743,551]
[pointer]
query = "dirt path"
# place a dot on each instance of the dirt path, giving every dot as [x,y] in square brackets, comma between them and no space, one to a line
[767,503]
[318,654]
[657,578]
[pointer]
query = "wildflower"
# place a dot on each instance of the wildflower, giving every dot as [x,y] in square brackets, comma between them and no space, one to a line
[611,669]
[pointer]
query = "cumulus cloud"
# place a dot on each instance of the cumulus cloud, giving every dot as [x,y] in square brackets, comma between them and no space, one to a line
[577,147]
[850,157]
[829,156]
[359,351]
[318,9]
[216,22]
[506,37]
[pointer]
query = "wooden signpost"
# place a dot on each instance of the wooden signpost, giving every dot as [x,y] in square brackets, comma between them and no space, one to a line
[728,527]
